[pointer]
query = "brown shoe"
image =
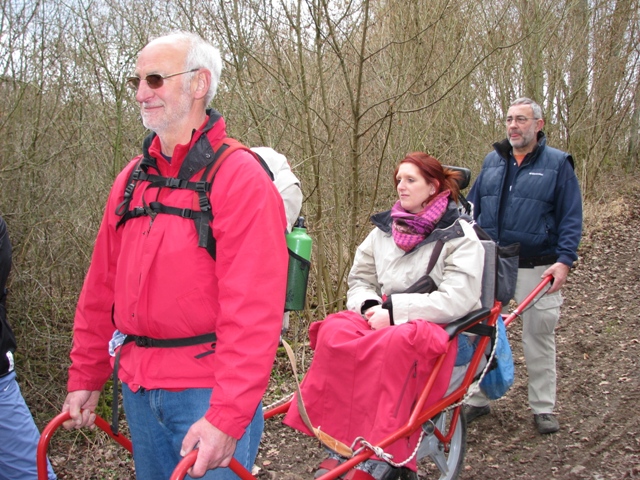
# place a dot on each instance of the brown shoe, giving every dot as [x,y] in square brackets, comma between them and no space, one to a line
[546,423]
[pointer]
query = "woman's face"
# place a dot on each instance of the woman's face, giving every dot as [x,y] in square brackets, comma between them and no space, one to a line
[413,189]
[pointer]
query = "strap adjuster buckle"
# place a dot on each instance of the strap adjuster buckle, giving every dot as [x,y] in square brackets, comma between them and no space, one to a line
[204,203]
[173,182]
[144,342]
[202,186]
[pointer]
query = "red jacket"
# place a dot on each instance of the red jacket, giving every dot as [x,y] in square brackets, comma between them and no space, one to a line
[364,383]
[162,285]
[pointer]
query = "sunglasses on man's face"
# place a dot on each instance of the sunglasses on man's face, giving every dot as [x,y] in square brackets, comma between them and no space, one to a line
[154,80]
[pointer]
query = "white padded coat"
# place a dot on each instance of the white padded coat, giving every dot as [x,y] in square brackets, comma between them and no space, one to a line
[381,268]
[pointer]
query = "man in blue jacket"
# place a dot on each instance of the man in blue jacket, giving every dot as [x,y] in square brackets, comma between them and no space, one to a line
[528,193]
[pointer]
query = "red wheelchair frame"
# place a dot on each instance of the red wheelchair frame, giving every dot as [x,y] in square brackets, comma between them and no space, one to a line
[419,416]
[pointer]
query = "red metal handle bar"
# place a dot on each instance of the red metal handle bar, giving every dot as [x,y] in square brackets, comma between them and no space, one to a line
[179,473]
[188,460]
[534,293]
[53,425]
[284,408]
[236,467]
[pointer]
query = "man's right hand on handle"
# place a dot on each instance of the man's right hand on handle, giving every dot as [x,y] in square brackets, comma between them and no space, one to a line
[81,405]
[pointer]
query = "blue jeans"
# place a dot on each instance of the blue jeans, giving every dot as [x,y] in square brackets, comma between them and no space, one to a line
[159,420]
[466,348]
[19,435]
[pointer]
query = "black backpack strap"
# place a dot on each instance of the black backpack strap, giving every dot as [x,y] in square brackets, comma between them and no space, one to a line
[148,342]
[437,249]
[201,213]
[122,210]
[205,235]
[137,174]
[425,283]
[224,149]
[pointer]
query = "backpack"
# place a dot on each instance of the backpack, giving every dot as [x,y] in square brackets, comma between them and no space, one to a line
[274,164]
[286,182]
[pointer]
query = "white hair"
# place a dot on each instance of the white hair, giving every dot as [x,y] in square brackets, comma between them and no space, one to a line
[200,54]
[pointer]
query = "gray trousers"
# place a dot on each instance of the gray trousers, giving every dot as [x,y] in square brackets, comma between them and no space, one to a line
[538,342]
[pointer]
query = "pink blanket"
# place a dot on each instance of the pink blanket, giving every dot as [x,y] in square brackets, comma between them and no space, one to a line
[364,383]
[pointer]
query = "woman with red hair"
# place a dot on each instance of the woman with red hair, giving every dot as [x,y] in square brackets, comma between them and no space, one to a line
[420,268]
[397,251]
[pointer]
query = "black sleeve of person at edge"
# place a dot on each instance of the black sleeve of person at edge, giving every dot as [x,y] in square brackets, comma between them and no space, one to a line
[7,338]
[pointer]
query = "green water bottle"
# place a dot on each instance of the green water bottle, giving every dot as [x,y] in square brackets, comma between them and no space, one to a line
[299,245]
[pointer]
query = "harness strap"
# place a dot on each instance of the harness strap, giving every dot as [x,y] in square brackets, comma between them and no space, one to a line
[201,213]
[148,342]
[482,330]
[223,149]
[158,181]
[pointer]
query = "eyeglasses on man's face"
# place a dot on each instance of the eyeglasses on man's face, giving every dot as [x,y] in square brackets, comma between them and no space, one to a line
[519,119]
[154,80]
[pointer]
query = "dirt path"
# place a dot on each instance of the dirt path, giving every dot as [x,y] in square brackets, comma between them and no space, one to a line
[598,376]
